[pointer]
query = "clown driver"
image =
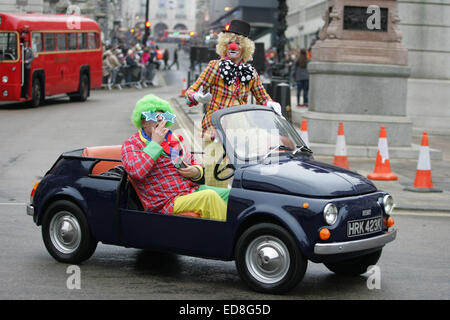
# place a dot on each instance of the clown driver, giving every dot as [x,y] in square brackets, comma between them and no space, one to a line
[166,175]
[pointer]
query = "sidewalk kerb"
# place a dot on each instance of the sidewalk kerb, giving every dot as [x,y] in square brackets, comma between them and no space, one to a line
[402,209]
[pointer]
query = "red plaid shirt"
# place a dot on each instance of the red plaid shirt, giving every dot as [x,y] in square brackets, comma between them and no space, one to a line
[224,96]
[158,181]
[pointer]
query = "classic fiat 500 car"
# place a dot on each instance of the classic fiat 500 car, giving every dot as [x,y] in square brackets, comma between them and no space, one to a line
[284,208]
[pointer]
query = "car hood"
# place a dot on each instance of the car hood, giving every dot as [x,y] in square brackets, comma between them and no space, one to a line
[306,178]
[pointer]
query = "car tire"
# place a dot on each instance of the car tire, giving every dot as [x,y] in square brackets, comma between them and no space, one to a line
[354,266]
[66,233]
[269,260]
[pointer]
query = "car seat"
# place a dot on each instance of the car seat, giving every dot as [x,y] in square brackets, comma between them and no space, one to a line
[110,157]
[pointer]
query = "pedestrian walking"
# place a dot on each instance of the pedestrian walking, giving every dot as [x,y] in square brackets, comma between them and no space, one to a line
[147,63]
[115,64]
[301,75]
[166,59]
[106,68]
[175,59]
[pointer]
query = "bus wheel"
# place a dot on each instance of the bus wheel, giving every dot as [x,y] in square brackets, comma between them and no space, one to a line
[36,93]
[83,91]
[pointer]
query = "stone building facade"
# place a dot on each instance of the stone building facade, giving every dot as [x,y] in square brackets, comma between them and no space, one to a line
[425,30]
[12,6]
[172,15]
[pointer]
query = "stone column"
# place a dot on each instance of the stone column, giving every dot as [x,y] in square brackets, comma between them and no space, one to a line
[425,26]
[358,76]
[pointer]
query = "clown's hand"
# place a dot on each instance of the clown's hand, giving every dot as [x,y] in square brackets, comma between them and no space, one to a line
[201,97]
[275,107]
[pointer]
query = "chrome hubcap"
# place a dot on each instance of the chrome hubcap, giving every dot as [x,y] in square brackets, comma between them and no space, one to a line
[65,232]
[267,259]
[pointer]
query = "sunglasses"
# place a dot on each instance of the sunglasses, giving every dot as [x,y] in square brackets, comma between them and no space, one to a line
[153,116]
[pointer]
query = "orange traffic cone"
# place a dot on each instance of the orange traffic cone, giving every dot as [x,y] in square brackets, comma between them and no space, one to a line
[423,182]
[340,155]
[183,91]
[382,169]
[304,132]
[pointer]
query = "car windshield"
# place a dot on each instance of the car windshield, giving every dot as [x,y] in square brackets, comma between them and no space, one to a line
[259,134]
[8,46]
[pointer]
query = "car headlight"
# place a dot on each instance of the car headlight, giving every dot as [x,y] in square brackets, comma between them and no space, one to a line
[330,213]
[388,204]
[5,79]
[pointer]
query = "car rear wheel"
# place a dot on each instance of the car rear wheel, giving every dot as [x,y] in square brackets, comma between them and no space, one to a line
[355,266]
[268,259]
[66,233]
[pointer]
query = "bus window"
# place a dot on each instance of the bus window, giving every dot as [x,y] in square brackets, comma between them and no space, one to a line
[49,41]
[61,41]
[37,41]
[82,43]
[8,46]
[72,41]
[92,40]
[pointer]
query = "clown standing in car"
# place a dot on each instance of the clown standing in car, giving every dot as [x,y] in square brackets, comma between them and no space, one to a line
[227,83]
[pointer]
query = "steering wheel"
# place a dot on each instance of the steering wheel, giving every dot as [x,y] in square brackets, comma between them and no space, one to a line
[218,171]
[9,55]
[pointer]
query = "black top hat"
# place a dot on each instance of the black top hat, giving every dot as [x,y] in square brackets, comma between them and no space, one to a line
[240,27]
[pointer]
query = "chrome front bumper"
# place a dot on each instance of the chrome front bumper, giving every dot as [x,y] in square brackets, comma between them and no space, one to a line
[356,245]
[30,210]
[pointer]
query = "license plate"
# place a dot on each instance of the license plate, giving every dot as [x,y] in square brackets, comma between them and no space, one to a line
[364,226]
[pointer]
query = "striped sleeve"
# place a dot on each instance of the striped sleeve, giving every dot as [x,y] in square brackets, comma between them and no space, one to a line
[205,80]
[258,91]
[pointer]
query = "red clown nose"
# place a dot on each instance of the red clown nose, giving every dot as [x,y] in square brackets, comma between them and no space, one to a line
[233,46]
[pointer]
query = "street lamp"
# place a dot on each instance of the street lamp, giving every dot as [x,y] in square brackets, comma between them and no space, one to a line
[280,80]
[147,24]
[278,69]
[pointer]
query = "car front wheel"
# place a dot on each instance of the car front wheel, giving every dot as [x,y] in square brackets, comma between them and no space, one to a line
[66,233]
[355,266]
[268,259]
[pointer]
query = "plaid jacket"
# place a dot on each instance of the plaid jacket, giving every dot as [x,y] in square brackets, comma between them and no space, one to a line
[224,96]
[158,180]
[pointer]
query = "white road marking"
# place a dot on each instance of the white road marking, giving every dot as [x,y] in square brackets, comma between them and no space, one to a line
[421,213]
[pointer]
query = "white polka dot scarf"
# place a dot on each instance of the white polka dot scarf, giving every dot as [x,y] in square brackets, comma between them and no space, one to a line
[228,71]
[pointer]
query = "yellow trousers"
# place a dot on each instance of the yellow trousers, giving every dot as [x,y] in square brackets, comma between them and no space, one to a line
[209,202]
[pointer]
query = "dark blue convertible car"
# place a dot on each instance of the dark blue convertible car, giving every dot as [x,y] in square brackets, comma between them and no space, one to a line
[284,207]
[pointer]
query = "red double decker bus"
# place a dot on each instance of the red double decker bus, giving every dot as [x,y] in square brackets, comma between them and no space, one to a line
[65,52]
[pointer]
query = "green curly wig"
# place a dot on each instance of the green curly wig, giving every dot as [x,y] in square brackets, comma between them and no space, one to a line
[149,102]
